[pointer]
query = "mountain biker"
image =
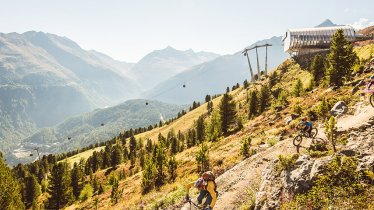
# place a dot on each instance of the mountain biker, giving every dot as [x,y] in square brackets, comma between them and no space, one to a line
[371,82]
[307,125]
[207,187]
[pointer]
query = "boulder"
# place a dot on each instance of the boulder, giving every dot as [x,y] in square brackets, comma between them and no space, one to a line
[288,120]
[339,108]
[347,152]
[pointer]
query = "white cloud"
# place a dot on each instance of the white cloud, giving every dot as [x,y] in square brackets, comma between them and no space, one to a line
[362,23]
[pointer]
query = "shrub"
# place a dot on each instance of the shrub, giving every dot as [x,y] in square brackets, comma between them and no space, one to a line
[86,192]
[298,89]
[297,109]
[272,141]
[286,162]
[339,186]
[246,144]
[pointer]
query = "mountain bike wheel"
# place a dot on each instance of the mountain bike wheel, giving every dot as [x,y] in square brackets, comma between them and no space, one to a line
[371,99]
[297,140]
[313,133]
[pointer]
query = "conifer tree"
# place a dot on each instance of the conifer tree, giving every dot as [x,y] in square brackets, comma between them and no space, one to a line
[160,162]
[107,160]
[330,130]
[117,155]
[245,84]
[77,179]
[132,146]
[317,68]
[209,106]
[208,98]
[298,88]
[227,111]
[116,192]
[172,168]
[322,108]
[200,129]
[174,146]
[141,157]
[253,104]
[273,78]
[202,157]
[149,146]
[32,190]
[264,98]
[214,129]
[148,175]
[340,59]
[59,187]
[10,188]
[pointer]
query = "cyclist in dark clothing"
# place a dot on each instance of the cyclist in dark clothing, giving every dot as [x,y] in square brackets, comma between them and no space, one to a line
[307,125]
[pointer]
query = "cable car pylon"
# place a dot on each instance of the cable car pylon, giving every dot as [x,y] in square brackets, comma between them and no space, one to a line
[245,52]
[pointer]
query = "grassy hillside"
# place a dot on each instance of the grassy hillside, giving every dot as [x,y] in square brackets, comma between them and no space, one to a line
[265,130]
[98,126]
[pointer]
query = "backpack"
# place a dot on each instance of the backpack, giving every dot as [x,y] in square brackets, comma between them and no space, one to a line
[209,176]
[199,184]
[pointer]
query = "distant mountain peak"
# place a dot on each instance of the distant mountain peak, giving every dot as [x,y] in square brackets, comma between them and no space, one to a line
[326,23]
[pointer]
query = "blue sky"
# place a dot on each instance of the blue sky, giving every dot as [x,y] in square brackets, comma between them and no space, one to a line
[129,29]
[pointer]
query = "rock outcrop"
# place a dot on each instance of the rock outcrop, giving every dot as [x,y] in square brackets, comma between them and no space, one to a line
[280,185]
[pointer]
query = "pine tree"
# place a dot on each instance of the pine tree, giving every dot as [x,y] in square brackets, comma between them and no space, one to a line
[172,167]
[148,175]
[107,160]
[273,78]
[244,150]
[200,129]
[317,68]
[149,146]
[340,59]
[141,157]
[97,161]
[32,190]
[116,192]
[117,155]
[330,130]
[214,129]
[264,98]
[59,187]
[245,84]
[253,104]
[202,157]
[227,111]
[132,146]
[77,179]
[10,188]
[174,146]
[160,162]
[208,98]
[298,88]
[322,108]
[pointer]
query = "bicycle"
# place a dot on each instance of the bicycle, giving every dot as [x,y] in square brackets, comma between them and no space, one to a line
[371,98]
[197,206]
[299,138]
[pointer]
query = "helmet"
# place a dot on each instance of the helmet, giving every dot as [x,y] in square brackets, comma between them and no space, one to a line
[372,77]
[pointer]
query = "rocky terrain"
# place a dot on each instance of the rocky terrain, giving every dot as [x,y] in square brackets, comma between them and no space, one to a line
[257,179]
